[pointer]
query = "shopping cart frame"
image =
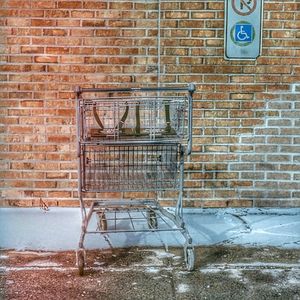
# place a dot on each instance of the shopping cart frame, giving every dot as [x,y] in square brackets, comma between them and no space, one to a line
[90,169]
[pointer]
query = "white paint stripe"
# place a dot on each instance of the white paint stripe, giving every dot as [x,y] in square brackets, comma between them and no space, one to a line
[62,269]
[16,269]
[250,266]
[209,268]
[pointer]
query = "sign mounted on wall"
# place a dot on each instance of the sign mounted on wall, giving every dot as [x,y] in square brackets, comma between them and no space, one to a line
[243,29]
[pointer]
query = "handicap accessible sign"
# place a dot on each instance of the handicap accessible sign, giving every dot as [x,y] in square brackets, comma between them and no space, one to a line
[243,27]
[243,33]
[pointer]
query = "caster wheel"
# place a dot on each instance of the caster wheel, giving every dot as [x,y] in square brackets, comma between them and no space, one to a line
[189,255]
[80,257]
[152,219]
[102,222]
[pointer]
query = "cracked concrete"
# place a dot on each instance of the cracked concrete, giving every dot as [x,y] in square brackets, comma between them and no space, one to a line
[222,272]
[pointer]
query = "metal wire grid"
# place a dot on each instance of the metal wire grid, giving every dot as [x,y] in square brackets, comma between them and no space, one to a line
[136,167]
[134,117]
[134,219]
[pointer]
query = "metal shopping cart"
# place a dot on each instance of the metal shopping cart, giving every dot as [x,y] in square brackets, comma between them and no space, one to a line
[133,140]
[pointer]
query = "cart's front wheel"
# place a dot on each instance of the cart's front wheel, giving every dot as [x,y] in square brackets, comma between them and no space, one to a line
[189,255]
[80,261]
[152,219]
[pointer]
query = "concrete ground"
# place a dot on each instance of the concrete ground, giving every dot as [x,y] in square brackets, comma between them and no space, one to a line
[222,272]
[240,254]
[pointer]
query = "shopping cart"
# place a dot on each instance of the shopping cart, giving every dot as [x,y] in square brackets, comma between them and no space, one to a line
[133,140]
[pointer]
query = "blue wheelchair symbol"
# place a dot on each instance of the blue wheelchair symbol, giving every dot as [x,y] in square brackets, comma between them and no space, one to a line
[243,33]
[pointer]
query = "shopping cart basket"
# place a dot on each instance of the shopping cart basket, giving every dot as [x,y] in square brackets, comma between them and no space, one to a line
[133,140]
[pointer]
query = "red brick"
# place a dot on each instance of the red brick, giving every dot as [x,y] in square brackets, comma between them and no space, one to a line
[43,40]
[120,60]
[70,41]
[82,32]
[282,15]
[18,4]
[31,13]
[32,49]
[217,5]
[58,139]
[70,4]
[93,23]
[108,32]
[68,23]
[192,5]
[43,22]
[20,129]
[72,59]
[94,5]
[27,31]
[46,59]
[43,4]
[55,32]
[82,14]
[68,203]
[57,50]
[57,13]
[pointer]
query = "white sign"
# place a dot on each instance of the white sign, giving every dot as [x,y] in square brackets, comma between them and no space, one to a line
[243,28]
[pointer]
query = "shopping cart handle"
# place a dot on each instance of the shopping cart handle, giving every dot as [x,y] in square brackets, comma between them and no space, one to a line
[191,88]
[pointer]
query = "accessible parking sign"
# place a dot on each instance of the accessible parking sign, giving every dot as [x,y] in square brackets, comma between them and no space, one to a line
[243,29]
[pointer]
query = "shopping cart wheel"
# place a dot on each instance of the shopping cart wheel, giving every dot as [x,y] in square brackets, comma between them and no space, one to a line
[102,222]
[152,219]
[80,257]
[189,255]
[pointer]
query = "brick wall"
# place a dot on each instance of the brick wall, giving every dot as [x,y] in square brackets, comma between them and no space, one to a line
[246,113]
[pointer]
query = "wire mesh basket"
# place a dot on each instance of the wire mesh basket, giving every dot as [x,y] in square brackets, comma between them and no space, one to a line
[129,118]
[130,167]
